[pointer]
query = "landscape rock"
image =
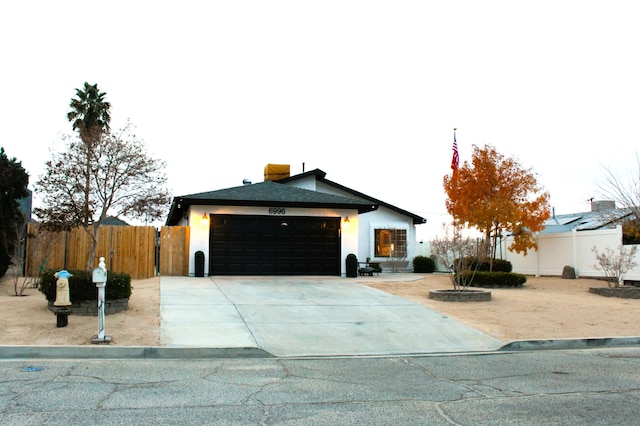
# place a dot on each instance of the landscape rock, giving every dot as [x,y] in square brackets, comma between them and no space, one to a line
[568,273]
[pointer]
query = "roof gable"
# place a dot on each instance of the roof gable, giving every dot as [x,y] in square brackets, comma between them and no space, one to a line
[320,176]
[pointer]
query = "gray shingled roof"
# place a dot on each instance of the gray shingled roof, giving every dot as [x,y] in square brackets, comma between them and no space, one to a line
[320,176]
[267,193]
[114,221]
[585,221]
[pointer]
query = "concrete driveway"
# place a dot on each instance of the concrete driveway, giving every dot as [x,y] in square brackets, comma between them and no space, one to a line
[307,316]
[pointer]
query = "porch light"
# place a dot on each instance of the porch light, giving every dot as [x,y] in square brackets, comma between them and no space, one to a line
[346,222]
[204,221]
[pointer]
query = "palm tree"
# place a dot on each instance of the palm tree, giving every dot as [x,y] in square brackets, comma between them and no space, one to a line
[90,116]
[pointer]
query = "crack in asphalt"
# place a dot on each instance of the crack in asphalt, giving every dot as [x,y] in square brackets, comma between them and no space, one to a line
[254,381]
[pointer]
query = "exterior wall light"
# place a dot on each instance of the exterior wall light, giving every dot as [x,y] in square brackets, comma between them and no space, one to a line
[204,221]
[346,223]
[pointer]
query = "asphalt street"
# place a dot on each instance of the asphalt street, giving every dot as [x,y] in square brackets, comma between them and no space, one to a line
[585,387]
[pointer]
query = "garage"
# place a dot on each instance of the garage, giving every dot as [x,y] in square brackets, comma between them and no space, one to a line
[274,245]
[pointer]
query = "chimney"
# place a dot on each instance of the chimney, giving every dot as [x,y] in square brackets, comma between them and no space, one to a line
[601,206]
[276,171]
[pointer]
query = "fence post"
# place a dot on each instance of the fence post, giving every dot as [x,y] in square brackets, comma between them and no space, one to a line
[574,248]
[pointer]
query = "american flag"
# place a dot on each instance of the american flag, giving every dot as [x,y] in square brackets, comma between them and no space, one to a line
[456,159]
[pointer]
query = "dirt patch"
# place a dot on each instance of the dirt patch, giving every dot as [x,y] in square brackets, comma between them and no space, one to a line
[27,320]
[544,308]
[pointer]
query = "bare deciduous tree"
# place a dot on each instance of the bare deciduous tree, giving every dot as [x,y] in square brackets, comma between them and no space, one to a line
[615,264]
[125,181]
[624,189]
[454,252]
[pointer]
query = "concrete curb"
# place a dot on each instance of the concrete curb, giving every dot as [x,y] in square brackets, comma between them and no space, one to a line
[127,352]
[174,352]
[563,344]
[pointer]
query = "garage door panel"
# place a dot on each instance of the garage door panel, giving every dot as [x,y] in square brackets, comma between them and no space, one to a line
[251,252]
[235,268]
[267,252]
[264,245]
[235,252]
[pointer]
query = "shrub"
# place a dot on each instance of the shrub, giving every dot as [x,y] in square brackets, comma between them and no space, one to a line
[615,264]
[82,288]
[424,264]
[499,265]
[496,279]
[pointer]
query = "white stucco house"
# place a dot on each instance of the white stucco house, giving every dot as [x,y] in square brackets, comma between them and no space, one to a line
[292,225]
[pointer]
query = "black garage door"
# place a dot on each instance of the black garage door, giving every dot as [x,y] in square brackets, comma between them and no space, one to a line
[274,245]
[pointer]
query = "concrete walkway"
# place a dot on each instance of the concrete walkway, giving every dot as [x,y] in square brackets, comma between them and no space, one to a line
[306,316]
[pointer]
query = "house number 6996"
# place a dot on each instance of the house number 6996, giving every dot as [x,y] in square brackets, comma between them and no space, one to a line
[277,210]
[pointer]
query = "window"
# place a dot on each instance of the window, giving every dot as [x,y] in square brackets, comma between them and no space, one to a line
[390,243]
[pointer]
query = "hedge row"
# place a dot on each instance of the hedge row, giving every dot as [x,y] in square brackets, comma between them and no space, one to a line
[82,288]
[495,279]
[426,264]
[499,265]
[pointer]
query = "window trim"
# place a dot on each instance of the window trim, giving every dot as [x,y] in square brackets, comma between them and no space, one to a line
[379,254]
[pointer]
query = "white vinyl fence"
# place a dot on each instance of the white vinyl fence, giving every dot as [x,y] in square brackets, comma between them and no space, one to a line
[555,251]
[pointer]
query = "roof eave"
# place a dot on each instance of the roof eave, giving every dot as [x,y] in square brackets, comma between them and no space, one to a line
[185,204]
[417,220]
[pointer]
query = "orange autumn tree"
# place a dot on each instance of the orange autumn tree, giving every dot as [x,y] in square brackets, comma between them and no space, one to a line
[495,194]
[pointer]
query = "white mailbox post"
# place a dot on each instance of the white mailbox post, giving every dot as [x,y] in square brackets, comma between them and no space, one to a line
[99,278]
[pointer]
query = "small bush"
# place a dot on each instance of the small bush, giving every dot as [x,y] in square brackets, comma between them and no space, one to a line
[495,279]
[82,288]
[500,265]
[424,264]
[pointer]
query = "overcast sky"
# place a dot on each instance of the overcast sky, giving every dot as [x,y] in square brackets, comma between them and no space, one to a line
[368,91]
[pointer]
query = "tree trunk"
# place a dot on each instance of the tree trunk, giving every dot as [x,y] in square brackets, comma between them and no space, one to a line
[87,189]
[488,249]
[94,246]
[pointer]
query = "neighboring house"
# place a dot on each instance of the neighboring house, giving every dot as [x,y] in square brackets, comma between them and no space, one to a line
[113,221]
[603,215]
[569,239]
[297,225]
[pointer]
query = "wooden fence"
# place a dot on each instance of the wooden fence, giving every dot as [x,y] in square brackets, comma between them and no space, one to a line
[136,250]
[174,250]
